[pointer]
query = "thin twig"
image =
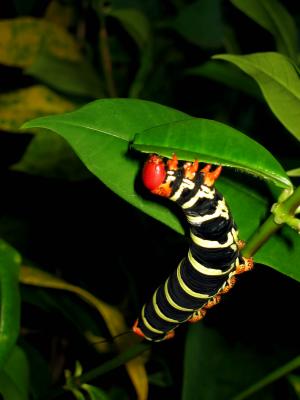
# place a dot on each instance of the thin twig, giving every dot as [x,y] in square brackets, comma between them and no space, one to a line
[106,59]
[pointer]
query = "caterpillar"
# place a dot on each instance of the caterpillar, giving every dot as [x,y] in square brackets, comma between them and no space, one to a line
[214,256]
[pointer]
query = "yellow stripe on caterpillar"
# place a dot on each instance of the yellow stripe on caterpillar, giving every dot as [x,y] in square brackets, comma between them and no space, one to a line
[187,289]
[159,313]
[171,301]
[185,184]
[207,271]
[220,211]
[214,244]
[147,325]
[203,193]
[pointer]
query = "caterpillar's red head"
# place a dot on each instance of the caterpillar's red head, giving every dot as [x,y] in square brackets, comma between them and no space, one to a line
[154,172]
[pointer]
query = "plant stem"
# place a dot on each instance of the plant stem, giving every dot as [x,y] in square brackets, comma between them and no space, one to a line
[119,360]
[269,227]
[109,365]
[271,377]
[106,59]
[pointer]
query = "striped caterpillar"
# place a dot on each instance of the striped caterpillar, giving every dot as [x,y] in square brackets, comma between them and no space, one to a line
[213,259]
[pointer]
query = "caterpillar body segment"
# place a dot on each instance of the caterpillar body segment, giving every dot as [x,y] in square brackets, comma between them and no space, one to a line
[213,259]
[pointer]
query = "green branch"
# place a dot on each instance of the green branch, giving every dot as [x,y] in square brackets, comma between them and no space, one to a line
[283,213]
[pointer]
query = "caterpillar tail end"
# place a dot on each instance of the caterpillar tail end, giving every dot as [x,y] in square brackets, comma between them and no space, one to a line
[169,335]
[137,330]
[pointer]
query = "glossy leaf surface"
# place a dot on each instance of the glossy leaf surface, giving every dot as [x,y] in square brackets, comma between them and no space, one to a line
[212,142]
[100,134]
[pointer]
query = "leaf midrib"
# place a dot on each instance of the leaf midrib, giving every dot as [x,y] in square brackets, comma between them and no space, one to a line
[68,123]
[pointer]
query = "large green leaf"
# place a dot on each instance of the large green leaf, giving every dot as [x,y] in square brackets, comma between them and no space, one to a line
[282,252]
[249,209]
[14,379]
[213,142]
[100,134]
[218,368]
[279,82]
[272,15]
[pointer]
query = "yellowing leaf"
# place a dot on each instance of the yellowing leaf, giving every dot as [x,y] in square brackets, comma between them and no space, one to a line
[22,39]
[60,13]
[20,105]
[113,318]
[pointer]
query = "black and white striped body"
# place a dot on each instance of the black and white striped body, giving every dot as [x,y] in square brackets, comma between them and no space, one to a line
[211,262]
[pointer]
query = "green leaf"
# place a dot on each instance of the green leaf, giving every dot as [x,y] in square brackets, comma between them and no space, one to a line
[201,23]
[94,392]
[278,81]
[272,16]
[40,383]
[227,74]
[14,379]
[255,206]
[293,172]
[77,78]
[9,301]
[295,382]
[51,156]
[282,252]
[100,134]
[135,23]
[220,365]
[212,142]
